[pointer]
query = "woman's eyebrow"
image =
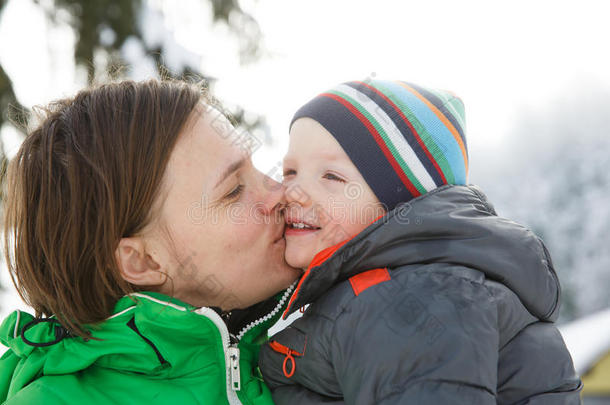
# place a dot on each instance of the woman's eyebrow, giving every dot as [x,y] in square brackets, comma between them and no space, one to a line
[230,170]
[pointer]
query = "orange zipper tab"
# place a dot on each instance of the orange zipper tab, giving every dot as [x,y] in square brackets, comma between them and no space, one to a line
[280,348]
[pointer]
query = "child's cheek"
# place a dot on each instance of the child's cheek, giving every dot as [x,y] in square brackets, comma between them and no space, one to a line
[298,256]
[332,234]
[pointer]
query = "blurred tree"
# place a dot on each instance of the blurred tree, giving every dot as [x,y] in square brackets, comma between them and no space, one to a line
[107,24]
[9,106]
[553,177]
[104,26]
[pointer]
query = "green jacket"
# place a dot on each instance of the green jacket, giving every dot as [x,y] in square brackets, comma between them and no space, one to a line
[153,350]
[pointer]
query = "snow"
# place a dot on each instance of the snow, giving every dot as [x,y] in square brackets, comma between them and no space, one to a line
[587,339]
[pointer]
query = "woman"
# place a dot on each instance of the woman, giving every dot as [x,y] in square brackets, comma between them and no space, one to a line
[135,221]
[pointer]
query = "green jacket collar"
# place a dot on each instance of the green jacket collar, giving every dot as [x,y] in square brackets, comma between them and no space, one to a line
[147,333]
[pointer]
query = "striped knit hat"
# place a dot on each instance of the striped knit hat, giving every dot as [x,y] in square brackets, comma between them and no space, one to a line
[404,139]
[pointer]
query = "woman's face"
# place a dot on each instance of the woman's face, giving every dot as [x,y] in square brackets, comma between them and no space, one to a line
[223,245]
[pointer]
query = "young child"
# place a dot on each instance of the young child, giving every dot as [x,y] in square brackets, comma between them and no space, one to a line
[419,292]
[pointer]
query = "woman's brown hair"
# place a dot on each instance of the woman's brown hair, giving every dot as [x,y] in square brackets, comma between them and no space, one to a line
[85,177]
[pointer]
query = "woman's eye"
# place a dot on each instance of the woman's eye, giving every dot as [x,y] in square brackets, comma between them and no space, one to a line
[333,177]
[235,193]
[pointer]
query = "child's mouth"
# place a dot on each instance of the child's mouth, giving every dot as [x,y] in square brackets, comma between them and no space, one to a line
[300,228]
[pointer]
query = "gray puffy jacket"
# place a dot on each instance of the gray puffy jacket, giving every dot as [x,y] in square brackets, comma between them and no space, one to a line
[439,302]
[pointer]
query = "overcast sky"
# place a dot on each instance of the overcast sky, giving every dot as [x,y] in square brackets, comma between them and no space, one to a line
[500,57]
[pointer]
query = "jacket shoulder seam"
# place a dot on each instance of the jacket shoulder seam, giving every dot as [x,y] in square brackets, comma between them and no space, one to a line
[351,300]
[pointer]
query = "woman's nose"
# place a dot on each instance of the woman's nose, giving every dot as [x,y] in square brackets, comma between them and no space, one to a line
[273,194]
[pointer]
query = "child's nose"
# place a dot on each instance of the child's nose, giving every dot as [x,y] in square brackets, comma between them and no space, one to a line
[295,193]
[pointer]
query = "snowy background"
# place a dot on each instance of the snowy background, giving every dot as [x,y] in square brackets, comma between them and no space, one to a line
[534,76]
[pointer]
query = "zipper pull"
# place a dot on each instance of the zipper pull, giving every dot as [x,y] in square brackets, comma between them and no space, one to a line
[234,366]
[289,353]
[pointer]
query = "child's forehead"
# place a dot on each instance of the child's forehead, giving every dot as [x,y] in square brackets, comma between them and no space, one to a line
[310,137]
[319,152]
[330,155]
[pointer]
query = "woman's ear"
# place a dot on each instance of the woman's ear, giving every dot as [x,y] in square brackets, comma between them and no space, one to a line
[136,265]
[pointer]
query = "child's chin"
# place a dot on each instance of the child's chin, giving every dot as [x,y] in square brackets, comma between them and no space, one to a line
[300,264]
[297,258]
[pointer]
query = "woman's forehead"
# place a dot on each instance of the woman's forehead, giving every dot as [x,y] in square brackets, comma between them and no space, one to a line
[206,147]
[209,134]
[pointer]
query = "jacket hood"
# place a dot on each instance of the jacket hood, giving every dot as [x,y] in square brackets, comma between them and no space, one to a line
[148,333]
[451,224]
[165,322]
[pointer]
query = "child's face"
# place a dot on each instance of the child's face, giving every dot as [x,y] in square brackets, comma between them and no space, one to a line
[325,191]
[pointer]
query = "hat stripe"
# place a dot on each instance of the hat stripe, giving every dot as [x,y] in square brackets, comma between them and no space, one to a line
[445,103]
[447,145]
[397,143]
[383,137]
[372,130]
[460,165]
[407,130]
[435,142]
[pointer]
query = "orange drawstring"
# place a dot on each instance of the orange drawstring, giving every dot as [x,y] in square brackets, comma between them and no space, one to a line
[292,365]
[280,348]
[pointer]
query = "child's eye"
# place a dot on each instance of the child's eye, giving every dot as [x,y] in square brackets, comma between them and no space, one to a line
[331,176]
[289,172]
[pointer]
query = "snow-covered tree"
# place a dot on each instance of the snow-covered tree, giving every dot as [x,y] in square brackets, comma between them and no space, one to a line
[553,175]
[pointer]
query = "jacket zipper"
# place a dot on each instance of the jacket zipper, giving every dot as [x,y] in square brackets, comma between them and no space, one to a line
[231,351]
[270,315]
[234,368]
